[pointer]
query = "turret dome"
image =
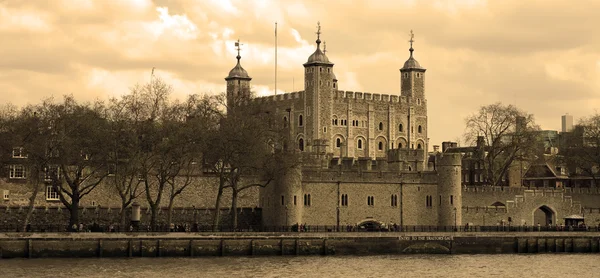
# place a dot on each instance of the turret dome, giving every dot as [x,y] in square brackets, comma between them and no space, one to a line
[238,72]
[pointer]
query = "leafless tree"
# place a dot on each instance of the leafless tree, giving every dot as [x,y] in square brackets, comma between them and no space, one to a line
[509,133]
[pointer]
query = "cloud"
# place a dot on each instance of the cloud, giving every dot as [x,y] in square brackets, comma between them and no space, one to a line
[543,56]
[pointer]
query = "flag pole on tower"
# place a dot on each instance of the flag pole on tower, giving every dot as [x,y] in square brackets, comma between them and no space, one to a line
[275,57]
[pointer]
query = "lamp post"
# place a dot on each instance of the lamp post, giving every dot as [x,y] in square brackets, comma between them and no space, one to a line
[135,215]
[455,228]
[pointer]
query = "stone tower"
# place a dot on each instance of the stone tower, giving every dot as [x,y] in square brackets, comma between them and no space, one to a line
[412,84]
[318,90]
[238,83]
[449,189]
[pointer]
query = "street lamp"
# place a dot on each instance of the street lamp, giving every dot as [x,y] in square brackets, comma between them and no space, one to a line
[455,229]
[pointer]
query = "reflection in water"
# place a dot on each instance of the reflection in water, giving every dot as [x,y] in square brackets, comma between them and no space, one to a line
[542,265]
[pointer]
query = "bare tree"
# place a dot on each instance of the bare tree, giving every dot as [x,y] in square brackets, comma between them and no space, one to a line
[581,148]
[509,135]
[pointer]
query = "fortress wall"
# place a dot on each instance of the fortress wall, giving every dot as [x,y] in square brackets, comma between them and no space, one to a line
[414,204]
[200,194]
[484,216]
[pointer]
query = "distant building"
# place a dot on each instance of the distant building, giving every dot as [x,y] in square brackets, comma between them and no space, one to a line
[567,123]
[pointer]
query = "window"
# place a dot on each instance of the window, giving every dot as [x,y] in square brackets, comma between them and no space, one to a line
[301,144]
[320,69]
[399,145]
[476,178]
[360,144]
[452,199]
[380,126]
[467,177]
[112,169]
[418,74]
[328,70]
[429,201]
[338,142]
[282,200]
[400,128]
[6,194]
[17,172]
[324,129]
[51,171]
[418,101]
[294,200]
[18,153]
[419,146]
[370,201]
[344,200]
[380,146]
[51,193]
[394,200]
[406,75]
[334,85]
[307,200]
[419,129]
[285,121]
[300,123]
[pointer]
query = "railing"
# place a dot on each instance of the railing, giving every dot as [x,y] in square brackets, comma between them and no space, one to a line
[194,228]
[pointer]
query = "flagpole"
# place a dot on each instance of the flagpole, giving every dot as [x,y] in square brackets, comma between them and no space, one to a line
[276,57]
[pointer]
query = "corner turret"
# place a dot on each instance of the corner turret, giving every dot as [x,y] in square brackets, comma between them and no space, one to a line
[449,189]
[238,82]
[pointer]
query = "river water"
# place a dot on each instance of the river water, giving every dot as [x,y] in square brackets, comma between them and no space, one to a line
[539,265]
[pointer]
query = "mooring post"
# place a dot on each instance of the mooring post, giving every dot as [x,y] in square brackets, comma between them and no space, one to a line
[191,247]
[130,248]
[29,248]
[222,247]
[99,248]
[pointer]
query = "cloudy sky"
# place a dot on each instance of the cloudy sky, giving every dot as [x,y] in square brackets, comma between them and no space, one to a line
[543,56]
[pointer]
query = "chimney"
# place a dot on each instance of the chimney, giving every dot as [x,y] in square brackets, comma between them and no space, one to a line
[436,148]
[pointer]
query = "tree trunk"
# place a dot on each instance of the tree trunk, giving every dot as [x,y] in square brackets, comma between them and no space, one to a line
[74,210]
[234,198]
[217,215]
[153,217]
[122,220]
[170,212]
[36,189]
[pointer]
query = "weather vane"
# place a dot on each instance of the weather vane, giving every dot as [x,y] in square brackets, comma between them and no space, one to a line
[412,36]
[318,29]
[237,46]
[324,47]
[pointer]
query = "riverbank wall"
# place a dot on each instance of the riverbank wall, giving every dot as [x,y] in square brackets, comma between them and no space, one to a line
[67,245]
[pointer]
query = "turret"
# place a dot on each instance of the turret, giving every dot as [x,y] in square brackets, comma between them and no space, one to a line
[238,83]
[449,189]
[319,81]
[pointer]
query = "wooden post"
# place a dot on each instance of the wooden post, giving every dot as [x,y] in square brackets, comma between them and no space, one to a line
[191,247]
[99,248]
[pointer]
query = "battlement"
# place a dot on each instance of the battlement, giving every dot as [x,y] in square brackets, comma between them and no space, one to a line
[280,97]
[448,159]
[395,155]
[375,177]
[366,96]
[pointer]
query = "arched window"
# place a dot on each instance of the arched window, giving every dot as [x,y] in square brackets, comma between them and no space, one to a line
[400,128]
[324,129]
[399,145]
[301,144]
[334,85]
[359,144]
[380,146]
[380,126]
[419,146]
[300,123]
[285,121]
[419,129]
[338,142]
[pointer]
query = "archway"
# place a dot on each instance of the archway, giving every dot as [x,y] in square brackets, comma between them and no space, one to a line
[544,216]
[371,225]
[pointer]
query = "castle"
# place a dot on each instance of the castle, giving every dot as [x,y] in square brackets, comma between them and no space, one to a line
[372,167]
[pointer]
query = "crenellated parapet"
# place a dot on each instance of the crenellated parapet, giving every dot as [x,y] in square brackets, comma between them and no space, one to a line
[280,97]
[366,96]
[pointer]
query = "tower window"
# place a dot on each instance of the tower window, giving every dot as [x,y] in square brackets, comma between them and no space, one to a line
[420,129]
[452,199]
[338,142]
[301,144]
[419,146]
[400,128]
[418,101]
[294,200]
[344,200]
[282,200]
[328,70]
[418,74]
[380,146]
[380,126]
[399,145]
[307,200]
[360,144]
[320,69]
[300,120]
[370,201]
[406,75]
[394,200]
[334,85]
[285,121]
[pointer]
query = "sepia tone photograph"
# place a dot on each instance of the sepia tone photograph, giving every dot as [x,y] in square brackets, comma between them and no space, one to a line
[299,138]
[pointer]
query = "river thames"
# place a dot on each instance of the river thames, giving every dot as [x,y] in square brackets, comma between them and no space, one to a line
[511,265]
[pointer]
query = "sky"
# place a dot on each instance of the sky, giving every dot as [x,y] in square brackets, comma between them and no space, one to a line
[542,56]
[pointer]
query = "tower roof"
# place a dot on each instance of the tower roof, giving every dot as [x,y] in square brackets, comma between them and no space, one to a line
[318,57]
[238,72]
[411,63]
